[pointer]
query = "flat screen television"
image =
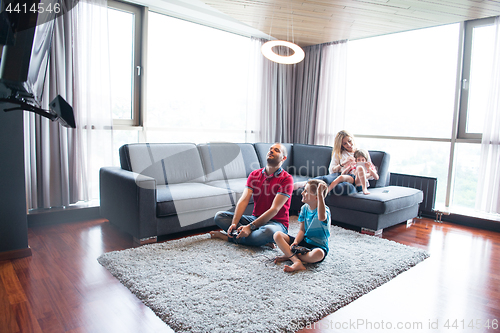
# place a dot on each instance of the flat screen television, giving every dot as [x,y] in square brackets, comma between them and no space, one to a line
[25,42]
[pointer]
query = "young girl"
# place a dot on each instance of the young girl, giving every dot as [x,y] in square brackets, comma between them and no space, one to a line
[358,172]
[342,155]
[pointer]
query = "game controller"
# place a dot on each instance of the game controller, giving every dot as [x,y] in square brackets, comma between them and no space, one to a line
[234,233]
[300,249]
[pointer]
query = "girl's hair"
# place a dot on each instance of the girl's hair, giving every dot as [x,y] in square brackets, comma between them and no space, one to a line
[313,185]
[366,155]
[337,144]
[362,152]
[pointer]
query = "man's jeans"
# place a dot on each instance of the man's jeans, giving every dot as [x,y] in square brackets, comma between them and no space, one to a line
[258,237]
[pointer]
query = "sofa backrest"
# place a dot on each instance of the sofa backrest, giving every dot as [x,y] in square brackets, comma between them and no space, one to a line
[262,149]
[173,163]
[230,160]
[310,160]
[168,163]
[381,161]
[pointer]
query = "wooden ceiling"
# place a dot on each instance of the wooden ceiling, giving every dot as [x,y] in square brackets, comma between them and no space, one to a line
[311,22]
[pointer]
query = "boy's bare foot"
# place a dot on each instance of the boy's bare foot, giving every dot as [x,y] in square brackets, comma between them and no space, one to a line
[218,234]
[366,192]
[298,266]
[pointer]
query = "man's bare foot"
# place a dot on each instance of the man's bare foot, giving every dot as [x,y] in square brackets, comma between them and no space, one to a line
[281,259]
[271,245]
[298,266]
[218,234]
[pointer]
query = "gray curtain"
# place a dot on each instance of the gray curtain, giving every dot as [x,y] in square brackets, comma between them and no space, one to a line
[49,159]
[62,164]
[307,75]
[288,108]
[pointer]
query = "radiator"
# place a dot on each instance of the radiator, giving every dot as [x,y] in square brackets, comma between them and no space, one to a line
[428,185]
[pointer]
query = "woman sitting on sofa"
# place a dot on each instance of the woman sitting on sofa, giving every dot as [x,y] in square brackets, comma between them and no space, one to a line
[342,156]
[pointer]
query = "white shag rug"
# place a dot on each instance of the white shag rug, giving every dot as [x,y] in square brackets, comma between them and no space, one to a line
[198,284]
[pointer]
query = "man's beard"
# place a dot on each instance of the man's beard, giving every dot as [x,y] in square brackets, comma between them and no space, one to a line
[272,162]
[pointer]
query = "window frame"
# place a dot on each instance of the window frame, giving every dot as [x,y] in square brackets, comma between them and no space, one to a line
[465,79]
[137,67]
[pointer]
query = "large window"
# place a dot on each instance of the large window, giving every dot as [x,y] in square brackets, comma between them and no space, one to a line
[403,84]
[197,82]
[420,96]
[190,87]
[401,98]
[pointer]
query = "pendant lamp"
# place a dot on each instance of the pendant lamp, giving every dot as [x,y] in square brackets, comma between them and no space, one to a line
[267,48]
[297,56]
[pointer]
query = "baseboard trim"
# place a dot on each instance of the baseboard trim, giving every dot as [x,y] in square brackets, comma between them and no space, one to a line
[15,254]
[50,216]
[143,241]
[468,221]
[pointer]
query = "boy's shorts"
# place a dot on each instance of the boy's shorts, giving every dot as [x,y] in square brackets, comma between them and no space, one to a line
[310,246]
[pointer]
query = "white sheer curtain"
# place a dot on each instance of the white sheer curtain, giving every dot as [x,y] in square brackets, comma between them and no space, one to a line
[63,164]
[332,92]
[488,194]
[256,88]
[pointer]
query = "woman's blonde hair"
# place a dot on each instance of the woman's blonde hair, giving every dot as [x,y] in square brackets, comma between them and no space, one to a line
[337,144]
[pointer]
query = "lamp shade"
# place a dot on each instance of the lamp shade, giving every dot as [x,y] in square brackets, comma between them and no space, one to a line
[267,51]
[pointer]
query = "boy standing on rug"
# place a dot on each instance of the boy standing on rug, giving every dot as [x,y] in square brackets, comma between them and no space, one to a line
[315,221]
[271,188]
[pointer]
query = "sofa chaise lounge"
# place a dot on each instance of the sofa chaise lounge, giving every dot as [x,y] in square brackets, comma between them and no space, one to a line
[165,188]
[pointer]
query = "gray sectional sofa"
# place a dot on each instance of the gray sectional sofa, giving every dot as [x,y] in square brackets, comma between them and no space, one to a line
[165,188]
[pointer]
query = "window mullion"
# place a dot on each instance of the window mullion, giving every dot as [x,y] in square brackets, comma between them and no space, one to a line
[456,116]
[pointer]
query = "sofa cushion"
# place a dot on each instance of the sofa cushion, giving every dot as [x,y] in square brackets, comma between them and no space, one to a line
[310,160]
[236,185]
[168,163]
[189,197]
[263,148]
[381,200]
[228,160]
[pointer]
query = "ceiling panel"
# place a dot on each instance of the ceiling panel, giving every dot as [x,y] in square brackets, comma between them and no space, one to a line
[320,21]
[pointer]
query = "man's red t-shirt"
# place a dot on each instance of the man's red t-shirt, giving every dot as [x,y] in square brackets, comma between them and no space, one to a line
[265,188]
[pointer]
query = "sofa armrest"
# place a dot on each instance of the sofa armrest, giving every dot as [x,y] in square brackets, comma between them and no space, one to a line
[381,160]
[128,200]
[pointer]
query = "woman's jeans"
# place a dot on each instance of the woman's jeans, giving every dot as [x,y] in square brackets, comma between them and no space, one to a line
[343,188]
[258,237]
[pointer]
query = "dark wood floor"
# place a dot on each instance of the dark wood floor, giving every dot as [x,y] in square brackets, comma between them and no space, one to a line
[62,288]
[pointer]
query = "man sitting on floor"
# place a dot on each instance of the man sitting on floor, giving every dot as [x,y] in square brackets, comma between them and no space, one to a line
[271,188]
